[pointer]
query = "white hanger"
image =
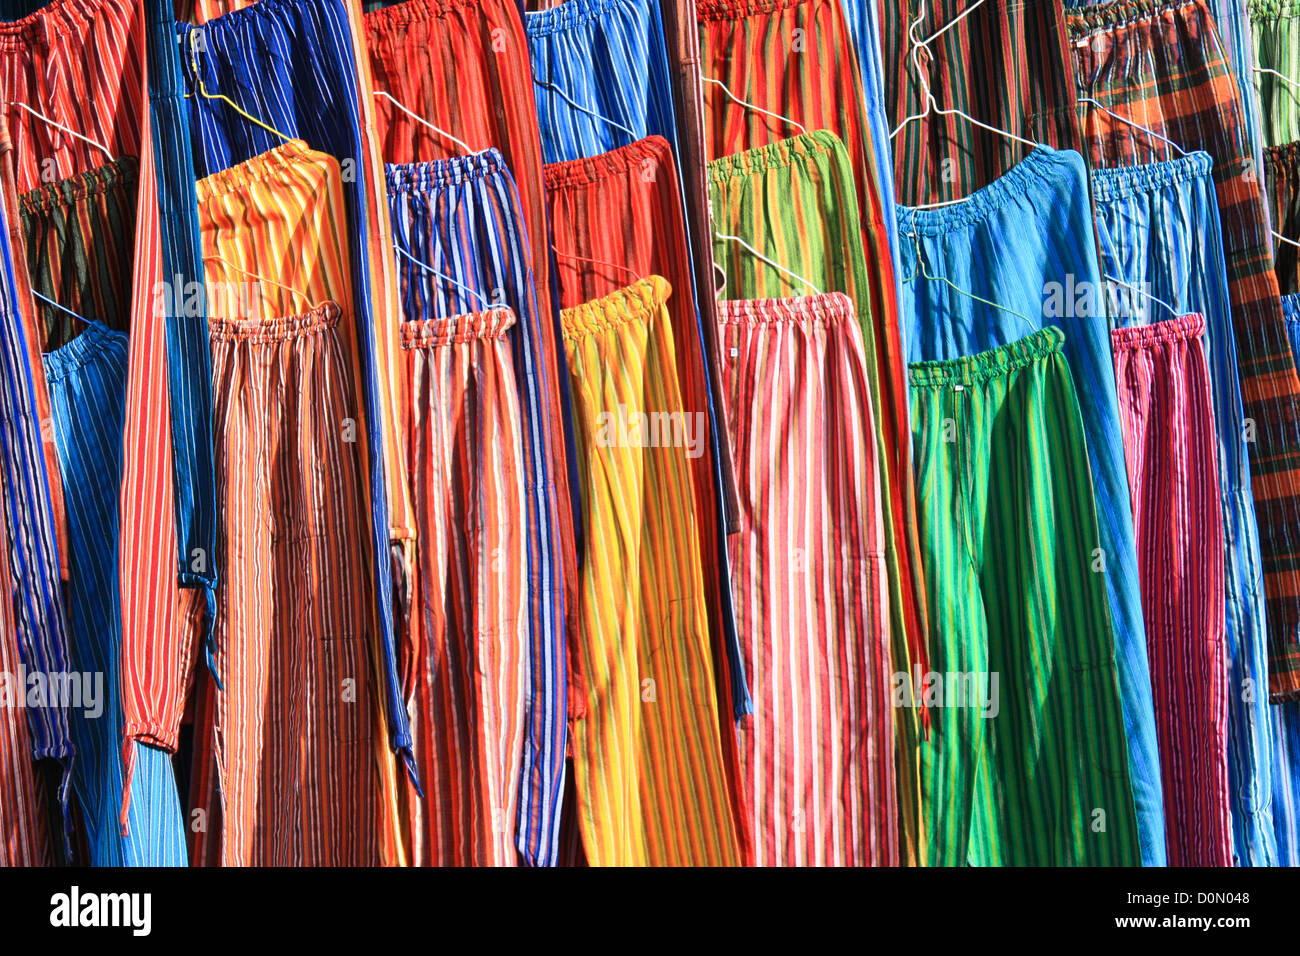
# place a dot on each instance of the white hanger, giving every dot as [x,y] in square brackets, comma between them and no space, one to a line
[923,273]
[1133,123]
[578,106]
[1284,78]
[1281,238]
[487,306]
[71,132]
[61,308]
[763,258]
[1142,292]
[752,106]
[420,119]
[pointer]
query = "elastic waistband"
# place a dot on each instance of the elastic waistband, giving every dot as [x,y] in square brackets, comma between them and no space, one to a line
[1291,307]
[1044,167]
[825,307]
[260,168]
[784,152]
[1272,9]
[972,369]
[1285,156]
[639,300]
[53,19]
[1080,21]
[278,329]
[570,14]
[1190,326]
[388,19]
[1119,182]
[437,173]
[430,333]
[94,340]
[706,10]
[617,162]
[93,182]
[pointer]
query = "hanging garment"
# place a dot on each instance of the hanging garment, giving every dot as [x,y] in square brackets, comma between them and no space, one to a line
[467,462]
[1275,30]
[1025,764]
[1158,230]
[79,235]
[615,218]
[1163,384]
[793,202]
[260,57]
[809,584]
[294,627]
[600,76]
[1004,63]
[648,759]
[1282,194]
[87,382]
[1161,64]
[1025,243]
[462,218]
[463,66]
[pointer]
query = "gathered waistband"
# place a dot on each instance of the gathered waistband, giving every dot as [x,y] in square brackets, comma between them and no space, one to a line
[410,11]
[973,369]
[1080,21]
[706,10]
[92,182]
[430,333]
[52,19]
[278,329]
[64,361]
[1272,9]
[570,14]
[260,168]
[639,300]
[436,173]
[782,153]
[1117,182]
[825,307]
[616,162]
[1190,326]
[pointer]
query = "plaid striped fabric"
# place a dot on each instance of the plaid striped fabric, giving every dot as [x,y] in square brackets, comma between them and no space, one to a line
[1163,384]
[1161,64]
[1285,717]
[1275,28]
[791,200]
[600,76]
[1006,64]
[1026,242]
[808,578]
[463,66]
[78,234]
[1007,531]
[1282,193]
[648,760]
[462,217]
[293,628]
[298,66]
[1158,230]
[466,459]
[87,382]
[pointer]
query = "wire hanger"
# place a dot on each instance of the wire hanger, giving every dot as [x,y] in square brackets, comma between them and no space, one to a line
[923,273]
[636,277]
[1281,76]
[753,106]
[420,119]
[1142,292]
[62,308]
[1281,238]
[547,84]
[71,132]
[203,92]
[758,255]
[212,256]
[1134,124]
[487,306]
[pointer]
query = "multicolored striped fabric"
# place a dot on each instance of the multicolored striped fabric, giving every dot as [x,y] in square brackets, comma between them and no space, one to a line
[648,758]
[1025,764]
[1275,29]
[1026,244]
[80,63]
[600,75]
[294,626]
[463,66]
[298,67]
[617,218]
[462,218]
[87,382]
[79,234]
[1282,195]
[1163,384]
[809,584]
[1004,62]
[1162,64]
[793,202]
[1159,233]
[467,461]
